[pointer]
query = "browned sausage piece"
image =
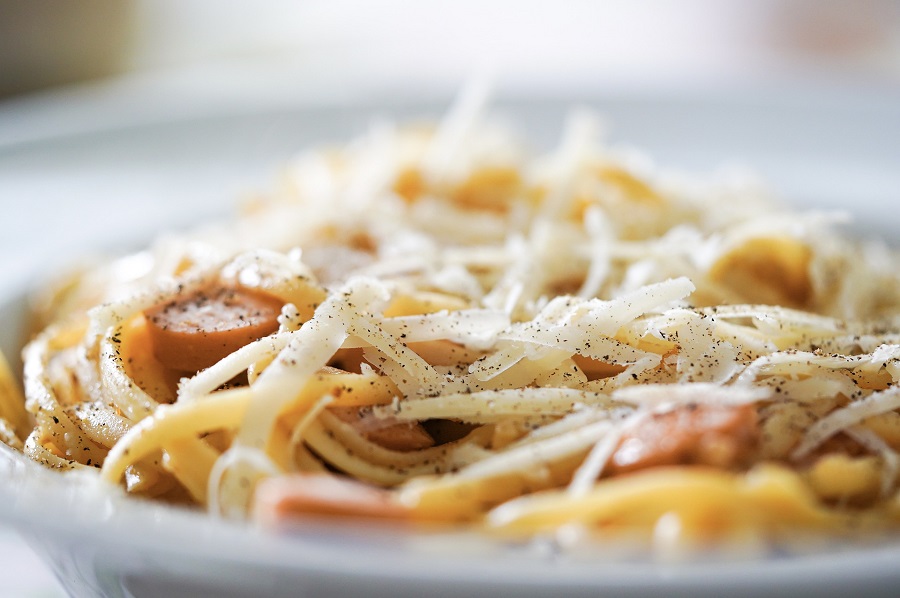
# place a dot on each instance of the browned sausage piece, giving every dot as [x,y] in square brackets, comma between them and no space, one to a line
[718,435]
[394,435]
[283,498]
[194,332]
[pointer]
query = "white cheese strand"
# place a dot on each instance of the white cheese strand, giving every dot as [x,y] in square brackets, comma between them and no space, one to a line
[846,417]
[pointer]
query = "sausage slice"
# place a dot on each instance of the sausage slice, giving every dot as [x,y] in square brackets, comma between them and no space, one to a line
[194,332]
[394,435]
[694,434]
[281,499]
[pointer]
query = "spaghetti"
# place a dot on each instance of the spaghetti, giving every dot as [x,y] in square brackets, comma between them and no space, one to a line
[426,324]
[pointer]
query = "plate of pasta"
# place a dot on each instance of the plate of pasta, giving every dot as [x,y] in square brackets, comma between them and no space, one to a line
[432,358]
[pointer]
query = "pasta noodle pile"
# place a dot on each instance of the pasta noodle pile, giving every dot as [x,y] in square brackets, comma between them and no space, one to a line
[434,325]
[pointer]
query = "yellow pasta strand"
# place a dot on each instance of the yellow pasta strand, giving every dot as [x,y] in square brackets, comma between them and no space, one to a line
[708,500]
[12,402]
[190,460]
[175,422]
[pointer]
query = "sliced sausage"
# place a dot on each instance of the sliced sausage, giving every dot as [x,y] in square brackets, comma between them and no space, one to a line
[391,434]
[694,434]
[193,332]
[281,499]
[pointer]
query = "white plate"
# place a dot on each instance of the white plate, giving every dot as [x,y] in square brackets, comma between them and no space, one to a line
[108,187]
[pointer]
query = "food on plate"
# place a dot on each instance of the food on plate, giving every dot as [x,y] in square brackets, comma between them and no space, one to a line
[431,325]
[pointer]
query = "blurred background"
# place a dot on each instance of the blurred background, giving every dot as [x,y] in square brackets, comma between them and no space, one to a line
[424,46]
[68,66]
